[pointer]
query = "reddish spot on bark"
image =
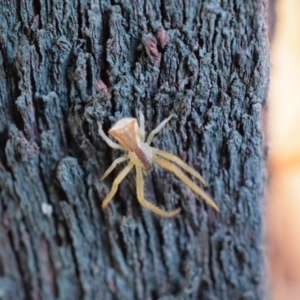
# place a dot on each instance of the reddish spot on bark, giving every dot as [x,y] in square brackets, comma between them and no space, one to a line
[162,37]
[83,74]
[102,86]
[47,268]
[112,285]
[152,46]
[184,156]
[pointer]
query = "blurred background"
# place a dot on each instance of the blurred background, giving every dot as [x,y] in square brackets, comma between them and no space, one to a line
[283,138]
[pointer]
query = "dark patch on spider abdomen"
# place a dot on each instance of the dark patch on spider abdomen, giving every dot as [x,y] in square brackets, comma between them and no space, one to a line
[144,159]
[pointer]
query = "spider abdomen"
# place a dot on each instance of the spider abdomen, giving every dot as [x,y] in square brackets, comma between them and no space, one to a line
[142,157]
[127,132]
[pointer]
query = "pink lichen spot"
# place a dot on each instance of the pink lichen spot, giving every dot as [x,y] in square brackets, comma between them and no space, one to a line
[162,37]
[152,46]
[102,86]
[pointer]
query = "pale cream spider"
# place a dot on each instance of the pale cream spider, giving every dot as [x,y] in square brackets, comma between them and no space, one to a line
[131,138]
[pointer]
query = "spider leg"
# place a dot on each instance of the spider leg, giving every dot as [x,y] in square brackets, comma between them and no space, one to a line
[174,169]
[142,125]
[179,162]
[107,139]
[113,165]
[157,129]
[144,202]
[116,183]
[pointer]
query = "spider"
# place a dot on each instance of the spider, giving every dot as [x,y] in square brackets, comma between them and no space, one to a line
[141,156]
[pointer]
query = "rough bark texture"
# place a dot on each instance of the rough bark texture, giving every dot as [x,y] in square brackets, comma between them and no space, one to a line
[64,65]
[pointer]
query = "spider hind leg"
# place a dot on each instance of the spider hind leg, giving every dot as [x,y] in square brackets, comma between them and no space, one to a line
[145,203]
[186,180]
[180,163]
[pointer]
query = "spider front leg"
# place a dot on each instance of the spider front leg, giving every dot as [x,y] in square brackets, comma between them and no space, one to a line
[109,142]
[157,129]
[113,165]
[174,169]
[144,202]
[116,183]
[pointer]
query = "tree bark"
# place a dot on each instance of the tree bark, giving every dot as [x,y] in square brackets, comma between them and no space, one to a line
[65,65]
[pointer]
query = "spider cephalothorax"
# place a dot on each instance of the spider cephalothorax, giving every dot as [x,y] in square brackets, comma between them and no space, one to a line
[141,156]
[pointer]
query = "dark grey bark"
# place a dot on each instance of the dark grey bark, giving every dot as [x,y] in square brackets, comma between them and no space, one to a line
[65,65]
